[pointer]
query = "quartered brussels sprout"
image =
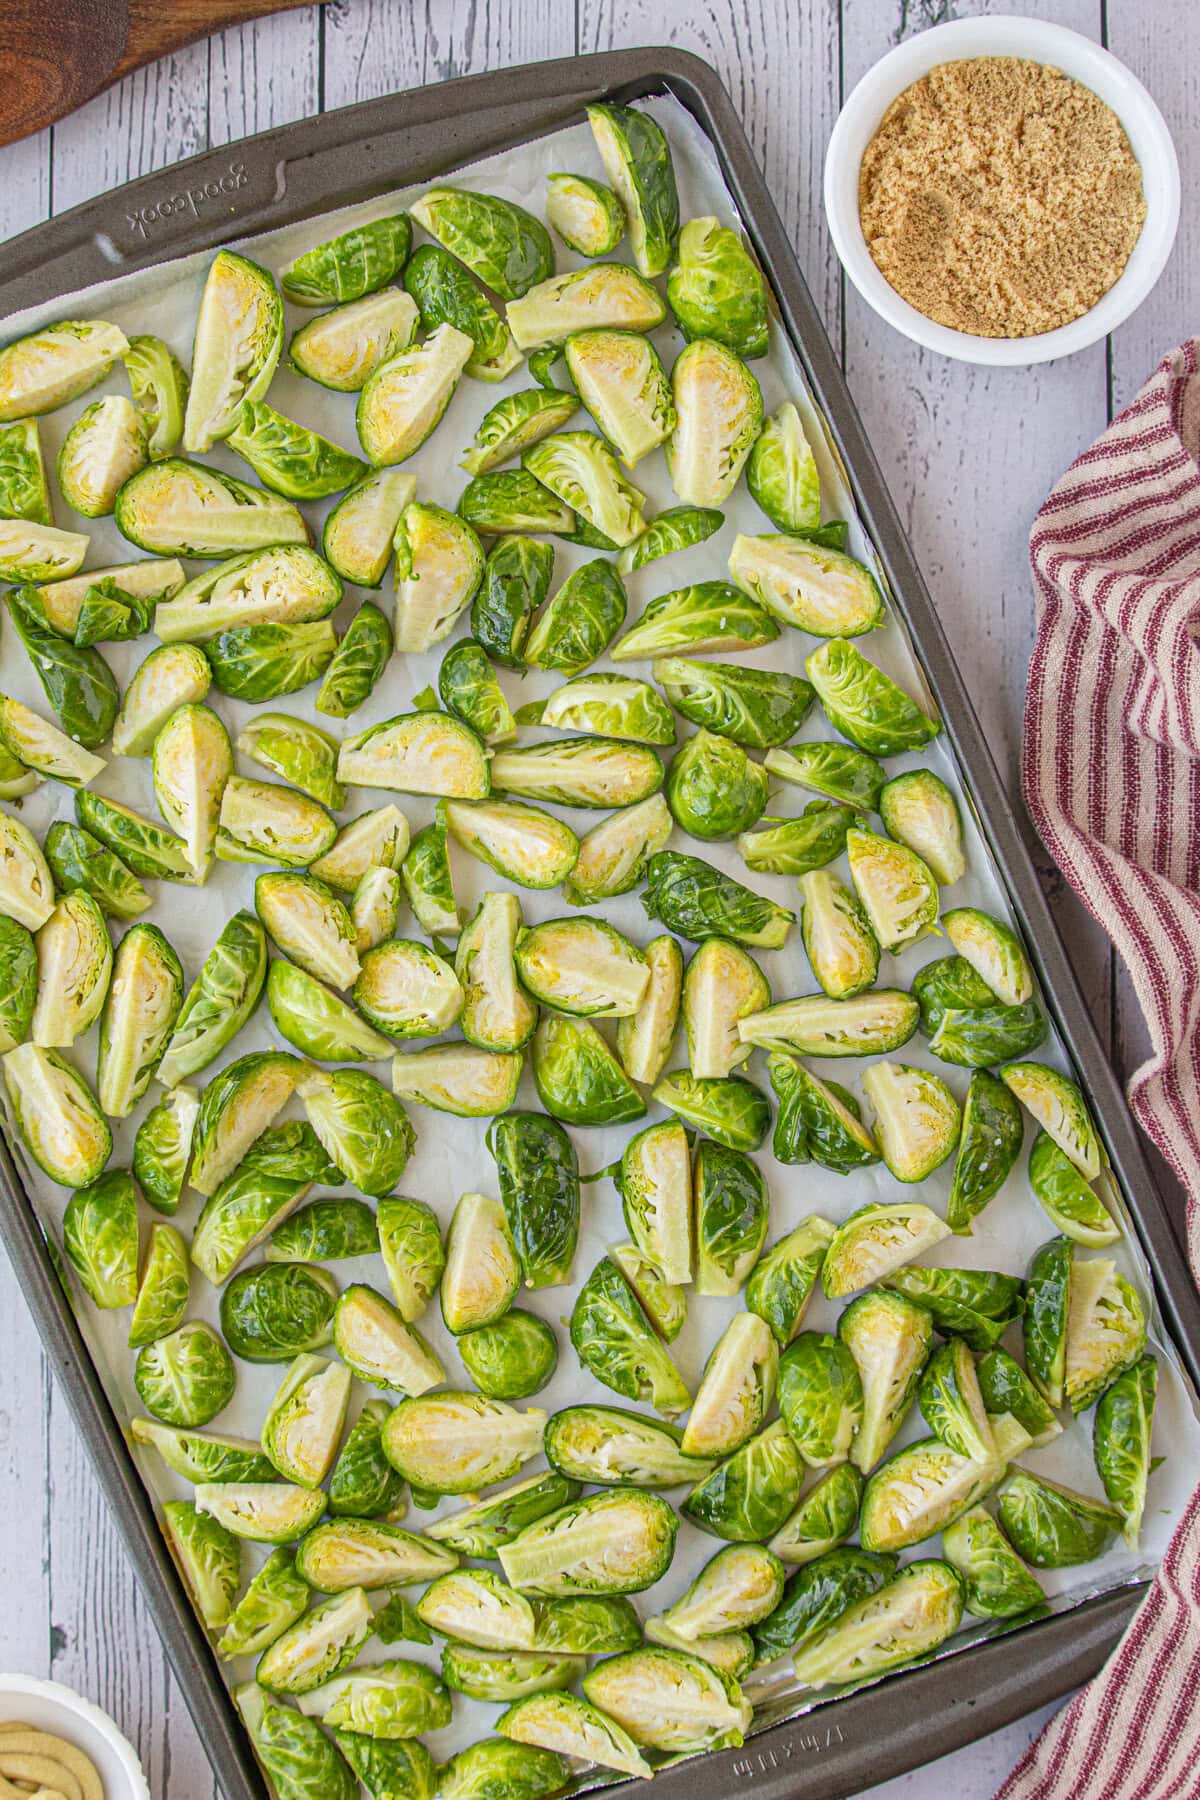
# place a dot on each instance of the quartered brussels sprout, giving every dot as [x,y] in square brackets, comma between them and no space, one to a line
[665,1303]
[274,1599]
[18,982]
[675,528]
[897,891]
[457,1443]
[75,959]
[346,267]
[527,845]
[612,1447]
[289,458]
[835,771]
[782,472]
[179,508]
[390,1768]
[864,704]
[580,469]
[656,1197]
[304,1422]
[104,447]
[571,631]
[587,216]
[515,423]
[100,1238]
[637,161]
[221,999]
[370,1335]
[966,1024]
[670,1700]
[268,1183]
[874,1242]
[369,1553]
[585,772]
[505,246]
[695,899]
[747,1497]
[922,1489]
[709,615]
[476,1606]
[342,348]
[994,952]
[865,1024]
[363,1484]
[407,990]
[395,1699]
[24,492]
[114,602]
[889,1338]
[714,789]
[1066,1198]
[513,500]
[307,921]
[1059,1108]
[1054,1527]
[1106,1330]
[493,1766]
[439,566]
[817,1595]
[732,1210]
[841,945]
[996,1582]
[265,662]
[163,1147]
[26,887]
[360,531]
[417,753]
[732,1111]
[261,822]
[264,1512]
[468,687]
[15,779]
[325,1231]
[621,381]
[375,908]
[402,401]
[375,840]
[410,1242]
[480,1528]
[613,1338]
[159,383]
[736,1389]
[992,1130]
[820,1398]
[1047,1302]
[458,1078]
[506,1675]
[976,1304]
[644,1041]
[562,1725]
[107,613]
[582,966]
[818,1121]
[1006,1388]
[239,335]
[919,810]
[318,1646]
[606,296]
[737,1588]
[753,707]
[820,591]
[917,1119]
[192,762]
[60,1123]
[587,1624]
[363,1128]
[511,1358]
[236,1108]
[33,552]
[295,1752]
[140,1011]
[823,1519]
[577,1076]
[446,295]
[172,676]
[36,744]
[782,1282]
[1122,1432]
[210,1558]
[613,856]
[618,1542]
[915,1612]
[285,585]
[58,363]
[187,1377]
[952,1402]
[482,1273]
[718,408]
[516,579]
[497,1014]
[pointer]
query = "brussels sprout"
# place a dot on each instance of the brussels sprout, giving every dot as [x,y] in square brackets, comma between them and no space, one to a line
[79,862]
[290,459]
[363,1484]
[987,1034]
[458,1078]
[395,1699]
[749,1495]
[709,615]
[923,1488]
[753,707]
[325,1231]
[824,1518]
[838,937]
[185,1378]
[1121,1442]
[375,840]
[407,990]
[210,1558]
[624,386]
[33,552]
[897,891]
[40,746]
[100,1238]
[496,1014]
[613,855]
[265,1512]
[996,1582]
[192,763]
[820,591]
[368,1553]
[299,1758]
[864,1025]
[637,161]
[889,1338]
[1068,1201]
[515,423]
[917,1120]
[389,1768]
[587,1624]
[783,478]
[301,753]
[307,921]
[1106,1330]
[221,999]
[438,568]
[994,952]
[417,753]
[609,1543]
[15,779]
[239,335]
[56,1114]
[75,959]
[714,789]
[172,676]
[573,629]
[612,1447]
[731,1210]
[1052,1526]
[527,845]
[364,1128]
[18,982]
[716,291]
[317,1022]
[952,1402]
[875,1241]
[692,897]
[261,822]
[975,1304]
[140,1011]
[304,1422]
[370,1335]
[1061,1111]
[835,771]
[737,1588]
[342,348]
[992,1130]
[675,528]
[817,1595]
[287,585]
[735,1390]
[820,1398]
[58,363]
[607,295]
[582,966]
[656,1198]
[782,1283]
[482,1273]
[864,704]
[318,1645]
[511,1358]
[159,383]
[475,1606]
[357,541]
[446,295]
[468,687]
[178,508]
[493,1767]
[587,216]
[817,1120]
[355,263]
[644,1039]
[915,1612]
[268,1184]
[203,1456]
[506,247]
[670,1700]
[1047,1299]
[104,447]
[718,408]
[375,909]
[76,606]
[26,889]
[513,500]
[480,1529]
[577,1076]
[613,1338]
[457,1443]
[516,579]
[1006,1388]
[163,1147]
[109,614]
[919,810]
[24,492]
[275,1598]
[235,1109]
[562,1725]
[732,1111]
[505,1675]
[665,1304]
[580,469]
[402,401]
[948,984]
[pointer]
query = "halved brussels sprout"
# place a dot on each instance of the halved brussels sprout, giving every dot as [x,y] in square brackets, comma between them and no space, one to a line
[670,1700]
[58,363]
[919,810]
[513,500]
[540,1190]
[185,1378]
[375,909]
[528,846]
[625,388]
[714,789]
[698,901]
[952,1402]
[1067,1199]
[24,493]
[816,1596]
[363,1128]
[354,263]
[417,753]
[173,676]
[192,763]
[100,1238]
[665,1304]
[917,1119]
[363,1484]
[516,579]
[1006,1388]
[75,959]
[457,1443]
[582,471]
[993,950]
[480,1529]
[897,891]
[922,1489]
[261,822]
[340,349]
[274,1311]
[735,1392]
[511,1358]
[104,447]
[407,990]
[468,687]
[572,630]
[619,1542]
[820,1398]
[997,1584]
[370,1335]
[577,1076]
[368,1553]
[613,1338]
[637,161]
[505,1675]
[80,862]
[1052,1526]
[838,937]
[160,384]
[458,1078]
[730,1110]
[515,423]
[325,1231]
[612,1447]
[732,1210]
[782,1283]
[318,1646]
[1121,1442]
[439,566]
[718,408]
[607,295]
[584,772]
[917,1610]
[754,707]
[562,1725]
[288,584]
[824,1518]
[295,1752]
[395,1699]
[210,1558]
[139,1015]
[992,1130]
[820,591]
[866,1024]
[1047,1301]
[304,1422]
[1106,1330]
[482,1273]
[747,1497]
[976,1304]
[613,856]
[866,705]
[582,966]
[18,982]
[505,246]
[290,458]
[446,295]
[239,335]
[179,508]
[33,552]
[56,1113]
[235,1109]
[835,771]
[656,1197]
[716,291]
[889,1338]
[402,401]
[874,1242]
[163,1147]
[40,746]
[496,1014]
[587,216]
[221,999]
[375,840]
[274,1600]
[782,472]
[493,1767]
[709,615]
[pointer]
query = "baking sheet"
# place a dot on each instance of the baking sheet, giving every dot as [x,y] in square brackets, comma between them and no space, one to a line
[450,1155]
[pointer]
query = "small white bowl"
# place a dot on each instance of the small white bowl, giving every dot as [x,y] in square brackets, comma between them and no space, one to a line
[1076,56]
[49,1706]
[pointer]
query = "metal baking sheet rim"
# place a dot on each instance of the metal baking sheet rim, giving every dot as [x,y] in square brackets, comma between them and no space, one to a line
[311,166]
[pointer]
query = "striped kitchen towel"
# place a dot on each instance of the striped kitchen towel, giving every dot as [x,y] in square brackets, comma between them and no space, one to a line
[1111,778]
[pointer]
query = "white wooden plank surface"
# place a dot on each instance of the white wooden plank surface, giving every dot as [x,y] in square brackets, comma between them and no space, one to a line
[968,454]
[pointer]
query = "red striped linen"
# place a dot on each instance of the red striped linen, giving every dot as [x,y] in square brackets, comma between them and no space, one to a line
[1111,777]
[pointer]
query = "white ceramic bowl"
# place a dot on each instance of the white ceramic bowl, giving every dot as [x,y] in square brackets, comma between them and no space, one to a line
[1076,56]
[49,1706]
